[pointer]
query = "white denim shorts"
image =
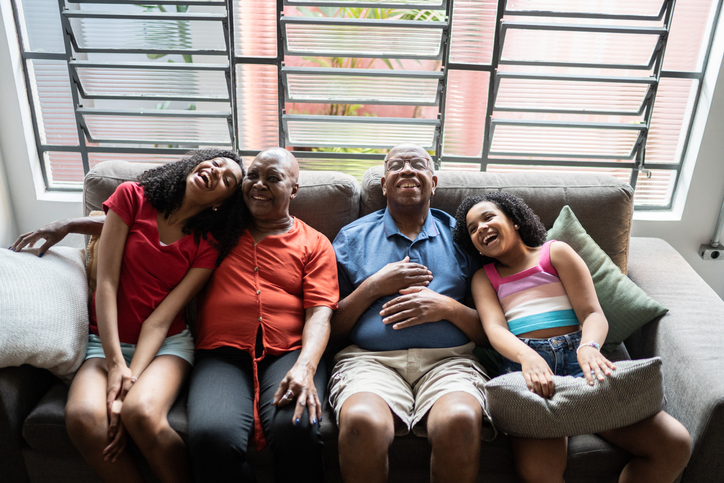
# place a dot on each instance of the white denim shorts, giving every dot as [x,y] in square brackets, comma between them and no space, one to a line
[179,345]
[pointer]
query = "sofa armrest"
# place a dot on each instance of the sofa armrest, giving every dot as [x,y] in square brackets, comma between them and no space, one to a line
[689,340]
[20,390]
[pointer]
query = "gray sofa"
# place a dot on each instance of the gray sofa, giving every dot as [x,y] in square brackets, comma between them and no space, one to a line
[34,445]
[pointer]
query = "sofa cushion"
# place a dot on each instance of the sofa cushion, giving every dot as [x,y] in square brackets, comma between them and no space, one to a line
[625,305]
[632,392]
[545,193]
[326,200]
[44,312]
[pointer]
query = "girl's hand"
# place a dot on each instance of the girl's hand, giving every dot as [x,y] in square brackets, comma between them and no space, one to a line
[299,384]
[118,376]
[591,359]
[538,375]
[116,434]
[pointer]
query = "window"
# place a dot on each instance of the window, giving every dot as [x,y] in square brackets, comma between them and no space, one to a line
[544,85]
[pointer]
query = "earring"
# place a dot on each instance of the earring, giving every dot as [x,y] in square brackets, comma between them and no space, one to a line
[215,208]
[516,226]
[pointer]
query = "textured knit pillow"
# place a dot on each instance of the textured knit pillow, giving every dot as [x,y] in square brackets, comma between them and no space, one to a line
[632,392]
[625,305]
[43,309]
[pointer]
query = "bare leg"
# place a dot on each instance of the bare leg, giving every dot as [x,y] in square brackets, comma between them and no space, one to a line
[540,460]
[86,418]
[366,431]
[453,429]
[661,447]
[145,415]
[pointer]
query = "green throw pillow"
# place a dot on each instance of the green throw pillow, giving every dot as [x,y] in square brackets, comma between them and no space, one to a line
[625,305]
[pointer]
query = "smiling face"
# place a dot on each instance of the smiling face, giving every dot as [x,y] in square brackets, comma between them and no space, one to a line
[406,182]
[214,180]
[271,184]
[491,231]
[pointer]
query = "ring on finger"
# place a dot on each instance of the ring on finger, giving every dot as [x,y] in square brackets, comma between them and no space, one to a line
[288,395]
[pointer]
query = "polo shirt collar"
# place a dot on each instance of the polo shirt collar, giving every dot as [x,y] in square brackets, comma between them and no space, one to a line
[428,228]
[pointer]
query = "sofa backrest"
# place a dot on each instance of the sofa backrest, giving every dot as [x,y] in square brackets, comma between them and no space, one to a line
[603,204]
[327,200]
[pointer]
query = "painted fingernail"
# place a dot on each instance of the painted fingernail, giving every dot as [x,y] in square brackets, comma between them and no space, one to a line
[314,422]
[40,255]
[296,422]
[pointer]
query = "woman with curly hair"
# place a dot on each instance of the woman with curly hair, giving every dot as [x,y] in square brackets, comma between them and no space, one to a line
[539,309]
[162,238]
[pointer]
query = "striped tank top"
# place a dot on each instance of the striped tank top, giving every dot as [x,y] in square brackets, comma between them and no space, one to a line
[533,299]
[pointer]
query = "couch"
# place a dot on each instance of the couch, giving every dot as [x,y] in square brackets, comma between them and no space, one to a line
[34,445]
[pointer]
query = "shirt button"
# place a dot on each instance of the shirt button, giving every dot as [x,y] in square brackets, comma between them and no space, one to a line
[259,319]
[258,292]
[256,269]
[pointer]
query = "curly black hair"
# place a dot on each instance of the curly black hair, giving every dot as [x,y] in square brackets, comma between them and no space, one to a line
[531,230]
[164,187]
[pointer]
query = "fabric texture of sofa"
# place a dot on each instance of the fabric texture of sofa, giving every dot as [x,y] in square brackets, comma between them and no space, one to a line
[34,445]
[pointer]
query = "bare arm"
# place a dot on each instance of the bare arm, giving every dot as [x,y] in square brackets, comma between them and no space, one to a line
[300,378]
[538,376]
[52,233]
[577,282]
[392,278]
[155,327]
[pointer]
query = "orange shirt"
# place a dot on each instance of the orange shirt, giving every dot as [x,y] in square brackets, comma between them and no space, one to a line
[267,284]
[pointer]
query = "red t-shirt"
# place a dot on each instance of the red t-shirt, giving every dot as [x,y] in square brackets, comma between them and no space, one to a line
[149,270]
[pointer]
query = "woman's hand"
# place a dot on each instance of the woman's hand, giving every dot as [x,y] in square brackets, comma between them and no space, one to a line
[299,384]
[52,233]
[591,359]
[538,375]
[119,376]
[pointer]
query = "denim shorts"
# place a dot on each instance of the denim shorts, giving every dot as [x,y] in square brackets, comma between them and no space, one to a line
[559,352]
[179,345]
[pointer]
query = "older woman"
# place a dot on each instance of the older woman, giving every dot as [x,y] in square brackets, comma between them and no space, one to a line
[262,328]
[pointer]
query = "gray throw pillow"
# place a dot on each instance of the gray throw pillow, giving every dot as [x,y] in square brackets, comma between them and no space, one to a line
[634,391]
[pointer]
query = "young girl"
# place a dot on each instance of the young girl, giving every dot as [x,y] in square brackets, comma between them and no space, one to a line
[539,310]
[161,239]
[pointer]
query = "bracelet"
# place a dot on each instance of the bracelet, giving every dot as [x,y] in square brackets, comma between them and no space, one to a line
[590,343]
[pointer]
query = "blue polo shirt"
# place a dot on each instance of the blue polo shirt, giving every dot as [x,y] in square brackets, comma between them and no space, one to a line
[368,244]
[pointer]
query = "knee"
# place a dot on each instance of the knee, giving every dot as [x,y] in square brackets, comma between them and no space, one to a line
[84,422]
[143,420]
[361,424]
[676,448]
[214,443]
[460,426]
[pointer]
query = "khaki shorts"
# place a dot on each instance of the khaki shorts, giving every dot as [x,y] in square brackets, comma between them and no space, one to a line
[409,381]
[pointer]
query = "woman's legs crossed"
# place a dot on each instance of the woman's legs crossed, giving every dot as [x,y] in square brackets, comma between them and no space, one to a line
[86,418]
[297,449]
[221,415]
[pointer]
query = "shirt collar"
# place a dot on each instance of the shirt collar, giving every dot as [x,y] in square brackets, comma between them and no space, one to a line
[428,228]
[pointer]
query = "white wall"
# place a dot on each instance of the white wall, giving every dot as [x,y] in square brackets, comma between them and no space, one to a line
[31,207]
[8,228]
[703,201]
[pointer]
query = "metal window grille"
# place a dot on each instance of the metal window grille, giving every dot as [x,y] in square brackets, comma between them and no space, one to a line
[541,85]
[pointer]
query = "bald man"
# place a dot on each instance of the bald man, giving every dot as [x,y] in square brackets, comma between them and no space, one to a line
[403,284]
